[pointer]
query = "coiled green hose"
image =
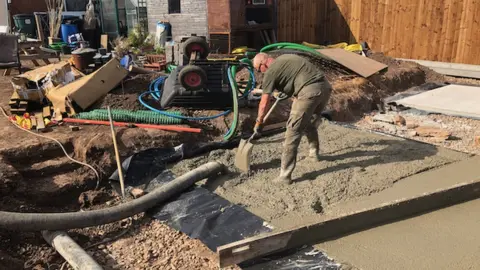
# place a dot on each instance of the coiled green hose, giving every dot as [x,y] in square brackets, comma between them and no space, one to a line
[144,117]
[292,46]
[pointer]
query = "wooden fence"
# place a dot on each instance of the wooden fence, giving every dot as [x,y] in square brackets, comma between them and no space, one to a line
[436,30]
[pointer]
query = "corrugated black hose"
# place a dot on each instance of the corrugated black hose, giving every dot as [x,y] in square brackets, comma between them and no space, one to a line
[64,221]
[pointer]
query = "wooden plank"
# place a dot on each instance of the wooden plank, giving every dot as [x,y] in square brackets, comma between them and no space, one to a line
[104,41]
[40,123]
[34,121]
[387,27]
[13,104]
[58,115]
[437,28]
[19,111]
[355,25]
[262,245]
[464,24]
[446,29]
[361,65]
[469,50]
[7,72]
[40,33]
[47,111]
[23,104]
[219,19]
[15,96]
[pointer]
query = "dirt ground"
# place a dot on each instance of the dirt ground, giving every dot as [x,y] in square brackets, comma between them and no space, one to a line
[36,177]
[355,164]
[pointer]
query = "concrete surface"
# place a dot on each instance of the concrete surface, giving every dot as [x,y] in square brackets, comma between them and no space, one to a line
[451,69]
[454,100]
[356,164]
[446,177]
[444,239]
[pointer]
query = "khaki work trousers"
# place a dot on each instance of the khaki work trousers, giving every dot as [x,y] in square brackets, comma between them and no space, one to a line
[305,117]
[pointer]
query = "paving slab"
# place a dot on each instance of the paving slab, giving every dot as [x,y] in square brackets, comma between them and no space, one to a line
[454,100]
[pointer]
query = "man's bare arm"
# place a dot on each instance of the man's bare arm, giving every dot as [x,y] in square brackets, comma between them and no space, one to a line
[262,108]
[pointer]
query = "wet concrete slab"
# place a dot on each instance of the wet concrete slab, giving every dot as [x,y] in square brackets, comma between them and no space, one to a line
[443,239]
[355,164]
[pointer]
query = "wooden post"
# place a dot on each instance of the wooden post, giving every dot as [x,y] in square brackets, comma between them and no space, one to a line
[117,154]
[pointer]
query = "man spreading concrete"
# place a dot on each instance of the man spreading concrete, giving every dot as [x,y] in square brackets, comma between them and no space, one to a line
[296,77]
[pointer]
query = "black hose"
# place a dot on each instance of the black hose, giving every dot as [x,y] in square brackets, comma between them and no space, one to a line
[64,221]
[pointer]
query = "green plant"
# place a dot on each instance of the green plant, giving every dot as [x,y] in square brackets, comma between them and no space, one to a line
[140,40]
[159,50]
[122,46]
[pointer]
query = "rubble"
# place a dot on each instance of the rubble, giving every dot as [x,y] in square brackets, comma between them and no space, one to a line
[448,131]
[137,193]
[411,124]
[390,119]
[426,131]
[399,120]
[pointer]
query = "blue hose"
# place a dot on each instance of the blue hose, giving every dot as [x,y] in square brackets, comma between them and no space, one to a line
[155,92]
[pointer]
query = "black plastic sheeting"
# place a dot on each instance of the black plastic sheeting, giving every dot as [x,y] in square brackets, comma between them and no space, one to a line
[203,215]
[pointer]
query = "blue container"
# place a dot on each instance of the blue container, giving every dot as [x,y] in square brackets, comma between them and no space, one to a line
[68,30]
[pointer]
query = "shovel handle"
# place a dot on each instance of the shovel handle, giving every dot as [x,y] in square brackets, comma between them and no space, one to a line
[279,98]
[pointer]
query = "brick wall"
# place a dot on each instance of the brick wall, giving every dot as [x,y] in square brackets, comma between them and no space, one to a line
[192,19]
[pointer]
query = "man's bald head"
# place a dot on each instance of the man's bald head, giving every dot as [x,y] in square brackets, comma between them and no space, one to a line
[261,61]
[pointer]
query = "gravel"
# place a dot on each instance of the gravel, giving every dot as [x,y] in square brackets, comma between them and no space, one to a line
[463,130]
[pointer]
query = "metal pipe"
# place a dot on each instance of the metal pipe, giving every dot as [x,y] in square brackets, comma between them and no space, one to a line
[70,250]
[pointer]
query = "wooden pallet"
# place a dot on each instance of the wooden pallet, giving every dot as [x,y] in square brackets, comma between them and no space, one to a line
[17,105]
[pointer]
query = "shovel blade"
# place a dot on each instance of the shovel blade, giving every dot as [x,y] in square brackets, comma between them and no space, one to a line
[242,158]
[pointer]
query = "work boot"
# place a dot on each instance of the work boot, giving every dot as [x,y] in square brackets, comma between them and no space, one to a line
[315,155]
[283,180]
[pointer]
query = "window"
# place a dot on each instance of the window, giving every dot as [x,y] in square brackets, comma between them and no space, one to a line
[174,6]
[75,5]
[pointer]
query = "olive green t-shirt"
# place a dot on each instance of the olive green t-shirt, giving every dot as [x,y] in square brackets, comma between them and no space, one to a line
[289,73]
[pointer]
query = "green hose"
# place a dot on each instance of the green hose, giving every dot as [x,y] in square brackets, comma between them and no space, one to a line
[234,73]
[292,46]
[143,117]
[170,68]
[233,85]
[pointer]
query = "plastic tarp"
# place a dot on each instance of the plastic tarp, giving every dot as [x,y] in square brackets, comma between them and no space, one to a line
[204,215]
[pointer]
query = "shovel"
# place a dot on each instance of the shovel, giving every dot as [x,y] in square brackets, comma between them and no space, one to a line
[242,158]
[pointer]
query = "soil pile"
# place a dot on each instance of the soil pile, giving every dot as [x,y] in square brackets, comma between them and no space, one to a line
[354,95]
[355,164]
[126,96]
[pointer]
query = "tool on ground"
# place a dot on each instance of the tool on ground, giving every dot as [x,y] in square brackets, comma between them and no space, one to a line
[117,154]
[242,158]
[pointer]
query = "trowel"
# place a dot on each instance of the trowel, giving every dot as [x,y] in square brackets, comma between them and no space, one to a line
[242,158]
